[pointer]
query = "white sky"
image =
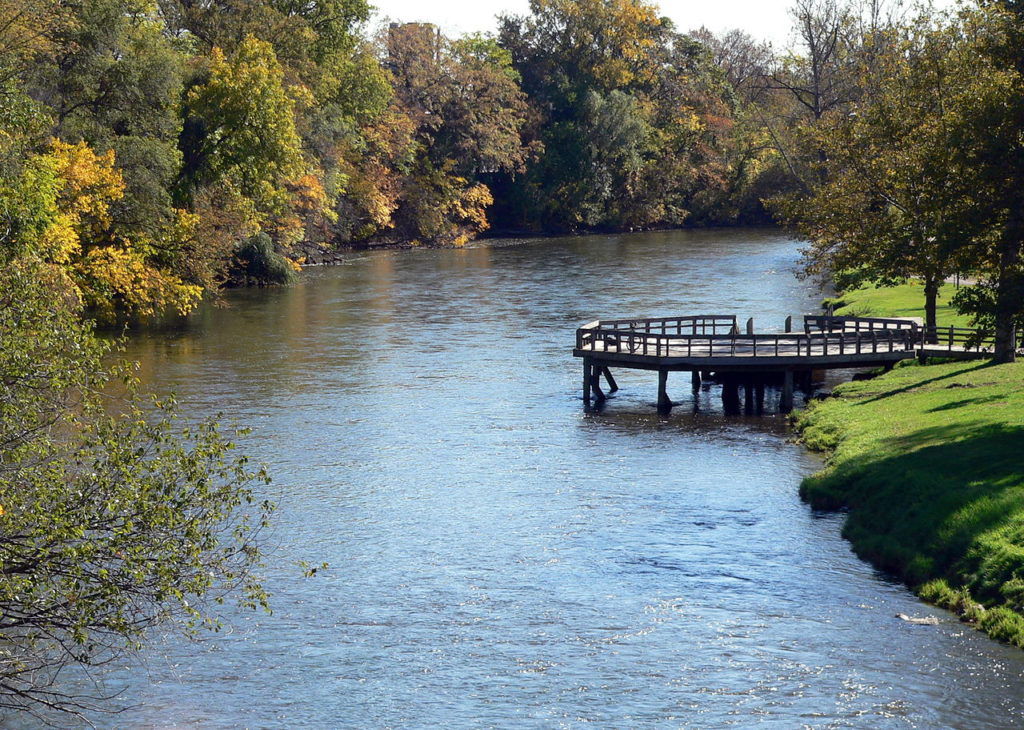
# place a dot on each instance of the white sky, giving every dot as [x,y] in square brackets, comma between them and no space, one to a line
[763,19]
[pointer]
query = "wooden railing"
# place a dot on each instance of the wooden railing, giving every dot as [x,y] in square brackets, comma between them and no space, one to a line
[630,342]
[827,323]
[718,335]
[952,338]
[702,324]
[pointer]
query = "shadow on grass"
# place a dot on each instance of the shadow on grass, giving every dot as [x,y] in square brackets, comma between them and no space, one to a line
[916,385]
[944,502]
[967,402]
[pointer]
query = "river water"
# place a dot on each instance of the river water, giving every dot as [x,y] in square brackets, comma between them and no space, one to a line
[500,558]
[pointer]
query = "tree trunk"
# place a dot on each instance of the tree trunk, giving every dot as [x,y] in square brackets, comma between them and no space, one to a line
[931,296]
[1008,303]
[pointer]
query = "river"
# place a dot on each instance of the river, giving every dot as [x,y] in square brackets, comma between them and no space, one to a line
[500,558]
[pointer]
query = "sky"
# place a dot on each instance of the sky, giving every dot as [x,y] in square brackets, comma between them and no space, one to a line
[763,19]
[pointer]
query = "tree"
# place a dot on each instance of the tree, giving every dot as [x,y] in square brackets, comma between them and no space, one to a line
[115,517]
[629,116]
[240,126]
[241,145]
[112,79]
[892,206]
[986,139]
[466,112]
[25,26]
[59,209]
[835,41]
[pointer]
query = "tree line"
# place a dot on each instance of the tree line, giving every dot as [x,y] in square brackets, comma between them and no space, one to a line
[155,151]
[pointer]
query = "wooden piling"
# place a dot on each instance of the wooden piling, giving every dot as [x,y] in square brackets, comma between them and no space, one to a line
[789,324]
[612,385]
[587,367]
[664,403]
[730,395]
[595,384]
[695,379]
[786,402]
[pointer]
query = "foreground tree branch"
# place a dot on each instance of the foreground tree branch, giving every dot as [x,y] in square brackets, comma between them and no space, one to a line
[115,515]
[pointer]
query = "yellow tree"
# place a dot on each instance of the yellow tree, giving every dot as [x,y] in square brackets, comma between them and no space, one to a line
[62,202]
[240,138]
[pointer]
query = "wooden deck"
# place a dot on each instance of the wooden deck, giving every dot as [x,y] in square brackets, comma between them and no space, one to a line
[714,343]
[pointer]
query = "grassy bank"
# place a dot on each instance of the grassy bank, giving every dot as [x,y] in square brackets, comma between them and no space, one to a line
[928,460]
[905,300]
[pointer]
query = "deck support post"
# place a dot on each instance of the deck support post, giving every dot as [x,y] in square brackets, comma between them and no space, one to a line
[730,395]
[748,397]
[664,403]
[786,402]
[612,385]
[587,367]
[759,397]
[595,384]
[695,379]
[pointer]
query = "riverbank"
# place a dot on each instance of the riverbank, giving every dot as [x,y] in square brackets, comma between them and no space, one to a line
[905,300]
[927,461]
[318,254]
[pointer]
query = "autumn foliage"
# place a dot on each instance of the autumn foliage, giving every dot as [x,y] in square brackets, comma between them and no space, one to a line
[146,144]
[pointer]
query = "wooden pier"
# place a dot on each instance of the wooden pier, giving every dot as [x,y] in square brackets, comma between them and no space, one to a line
[713,344]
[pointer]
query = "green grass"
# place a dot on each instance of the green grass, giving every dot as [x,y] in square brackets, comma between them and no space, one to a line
[928,461]
[905,300]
